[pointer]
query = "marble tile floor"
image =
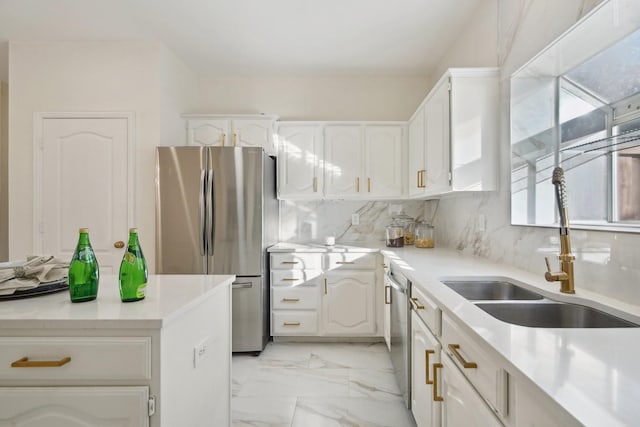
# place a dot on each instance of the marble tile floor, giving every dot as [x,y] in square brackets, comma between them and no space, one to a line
[317,385]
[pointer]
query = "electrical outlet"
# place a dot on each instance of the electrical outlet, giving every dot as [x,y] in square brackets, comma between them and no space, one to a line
[200,351]
[355,219]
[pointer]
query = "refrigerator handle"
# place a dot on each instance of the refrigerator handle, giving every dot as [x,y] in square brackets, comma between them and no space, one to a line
[210,214]
[202,213]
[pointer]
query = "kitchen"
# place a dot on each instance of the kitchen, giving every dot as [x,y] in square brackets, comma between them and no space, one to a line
[148,79]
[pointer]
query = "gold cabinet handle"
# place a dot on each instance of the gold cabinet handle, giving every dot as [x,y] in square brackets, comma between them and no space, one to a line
[325,286]
[289,262]
[436,398]
[290,299]
[235,139]
[345,262]
[222,138]
[369,185]
[423,179]
[387,291]
[454,350]
[426,366]
[358,184]
[418,179]
[119,244]
[416,304]
[291,324]
[290,279]
[26,363]
[315,184]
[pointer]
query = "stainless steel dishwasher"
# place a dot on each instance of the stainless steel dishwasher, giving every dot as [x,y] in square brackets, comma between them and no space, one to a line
[400,332]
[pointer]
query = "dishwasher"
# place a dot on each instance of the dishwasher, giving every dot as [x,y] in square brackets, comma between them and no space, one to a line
[400,331]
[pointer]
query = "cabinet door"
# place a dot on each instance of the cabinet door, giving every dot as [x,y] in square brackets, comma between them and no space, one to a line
[299,162]
[462,406]
[253,133]
[343,161]
[417,147]
[74,406]
[437,140]
[348,303]
[383,161]
[213,132]
[425,351]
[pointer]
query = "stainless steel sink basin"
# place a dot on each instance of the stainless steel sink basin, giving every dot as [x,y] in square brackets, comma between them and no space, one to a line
[553,315]
[490,290]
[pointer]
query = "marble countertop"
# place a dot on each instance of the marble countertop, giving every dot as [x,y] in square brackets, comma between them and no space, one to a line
[167,296]
[592,373]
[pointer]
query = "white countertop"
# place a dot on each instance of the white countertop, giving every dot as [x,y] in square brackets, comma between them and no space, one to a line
[167,296]
[592,373]
[319,247]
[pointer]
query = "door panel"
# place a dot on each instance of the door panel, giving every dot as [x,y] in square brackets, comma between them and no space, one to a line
[208,132]
[178,221]
[343,161]
[84,183]
[247,314]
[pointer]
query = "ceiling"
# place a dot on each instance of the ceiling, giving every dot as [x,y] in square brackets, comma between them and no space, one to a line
[250,37]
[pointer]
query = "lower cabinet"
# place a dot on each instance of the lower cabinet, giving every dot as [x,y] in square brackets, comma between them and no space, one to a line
[74,406]
[348,303]
[425,353]
[462,406]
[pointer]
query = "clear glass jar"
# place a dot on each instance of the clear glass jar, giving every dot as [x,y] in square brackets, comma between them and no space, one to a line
[408,224]
[424,235]
[394,234]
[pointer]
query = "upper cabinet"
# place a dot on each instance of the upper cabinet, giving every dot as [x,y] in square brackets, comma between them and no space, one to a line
[231,131]
[453,135]
[300,161]
[343,161]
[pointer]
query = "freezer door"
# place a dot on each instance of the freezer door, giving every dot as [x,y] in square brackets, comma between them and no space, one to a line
[180,208]
[250,314]
[237,211]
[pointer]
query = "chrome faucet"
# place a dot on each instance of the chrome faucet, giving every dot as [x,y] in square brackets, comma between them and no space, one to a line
[565,275]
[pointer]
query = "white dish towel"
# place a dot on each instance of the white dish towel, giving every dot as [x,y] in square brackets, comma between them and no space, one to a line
[19,275]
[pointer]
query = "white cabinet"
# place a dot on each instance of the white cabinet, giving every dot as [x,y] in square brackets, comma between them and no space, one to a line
[74,406]
[453,135]
[425,352]
[231,131]
[462,406]
[363,161]
[324,294]
[300,161]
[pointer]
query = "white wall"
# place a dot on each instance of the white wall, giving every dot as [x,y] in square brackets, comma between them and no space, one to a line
[90,76]
[4,173]
[353,97]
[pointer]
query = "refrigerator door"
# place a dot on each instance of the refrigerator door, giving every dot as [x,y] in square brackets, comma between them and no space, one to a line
[236,239]
[180,207]
[250,330]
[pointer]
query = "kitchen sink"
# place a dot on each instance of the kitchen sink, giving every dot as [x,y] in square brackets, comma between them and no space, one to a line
[490,290]
[553,315]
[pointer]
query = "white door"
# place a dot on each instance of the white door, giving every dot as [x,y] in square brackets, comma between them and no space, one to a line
[299,158]
[214,132]
[84,182]
[438,141]
[425,351]
[74,406]
[348,303]
[416,154]
[253,133]
[383,161]
[343,161]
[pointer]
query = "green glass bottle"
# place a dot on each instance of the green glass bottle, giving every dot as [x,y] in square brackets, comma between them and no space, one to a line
[133,270]
[84,274]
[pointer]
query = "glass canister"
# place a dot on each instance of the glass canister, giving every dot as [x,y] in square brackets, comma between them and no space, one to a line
[408,224]
[394,234]
[424,235]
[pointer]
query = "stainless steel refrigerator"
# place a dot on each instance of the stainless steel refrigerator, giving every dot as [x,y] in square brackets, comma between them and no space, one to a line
[217,213]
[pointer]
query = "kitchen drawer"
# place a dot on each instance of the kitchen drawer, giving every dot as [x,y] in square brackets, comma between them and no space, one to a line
[295,277]
[91,358]
[351,260]
[487,377]
[295,298]
[294,323]
[426,309]
[296,261]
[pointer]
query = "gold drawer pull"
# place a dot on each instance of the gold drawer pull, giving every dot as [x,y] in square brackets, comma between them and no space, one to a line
[436,398]
[387,291]
[235,139]
[289,262]
[315,184]
[26,363]
[289,279]
[290,299]
[222,138]
[291,323]
[417,304]
[369,185]
[454,350]
[357,185]
[426,366]
[345,262]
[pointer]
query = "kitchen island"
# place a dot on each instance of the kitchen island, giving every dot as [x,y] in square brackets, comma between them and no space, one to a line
[161,361]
